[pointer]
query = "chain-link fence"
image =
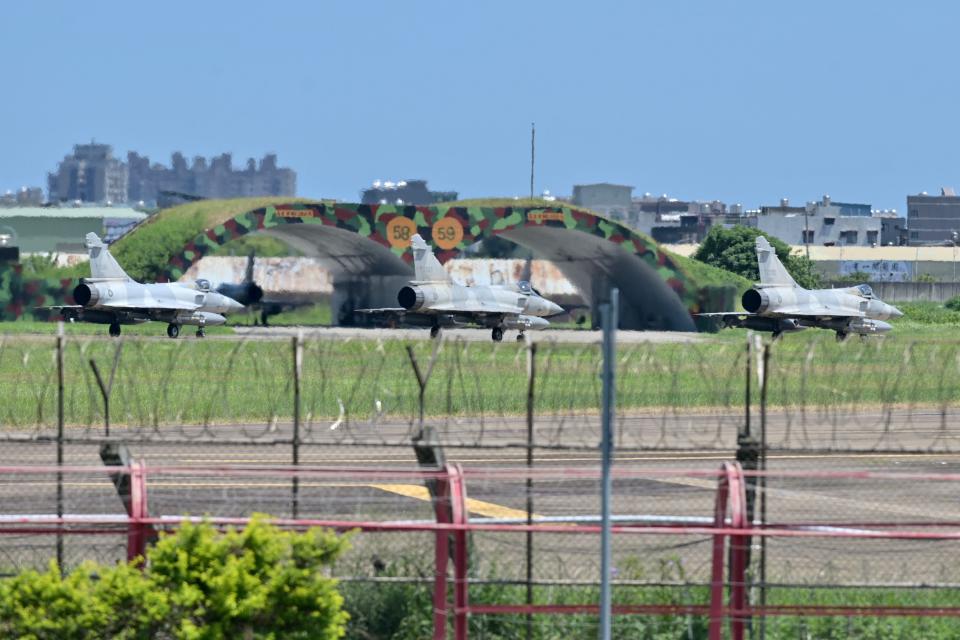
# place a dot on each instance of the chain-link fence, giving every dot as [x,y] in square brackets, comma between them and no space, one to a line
[524,422]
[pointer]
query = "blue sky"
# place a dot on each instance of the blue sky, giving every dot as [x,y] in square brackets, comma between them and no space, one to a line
[742,101]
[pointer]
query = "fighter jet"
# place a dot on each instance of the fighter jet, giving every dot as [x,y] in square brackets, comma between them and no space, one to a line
[434,300]
[110,296]
[252,296]
[780,305]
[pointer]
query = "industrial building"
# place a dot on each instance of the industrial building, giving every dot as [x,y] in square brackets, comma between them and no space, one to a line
[934,219]
[62,229]
[413,192]
[821,223]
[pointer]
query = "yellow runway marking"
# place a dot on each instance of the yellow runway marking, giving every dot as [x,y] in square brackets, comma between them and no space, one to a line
[488,509]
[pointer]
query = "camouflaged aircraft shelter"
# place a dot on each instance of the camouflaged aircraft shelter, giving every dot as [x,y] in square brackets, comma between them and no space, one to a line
[367,247]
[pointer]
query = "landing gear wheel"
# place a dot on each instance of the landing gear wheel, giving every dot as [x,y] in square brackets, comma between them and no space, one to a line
[173,330]
[776,335]
[115,330]
[519,337]
[497,334]
[434,332]
[841,336]
[200,332]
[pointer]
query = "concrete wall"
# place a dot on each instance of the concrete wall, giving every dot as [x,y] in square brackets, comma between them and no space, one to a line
[913,291]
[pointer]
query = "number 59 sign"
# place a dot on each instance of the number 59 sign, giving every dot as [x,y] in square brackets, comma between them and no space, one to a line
[447,232]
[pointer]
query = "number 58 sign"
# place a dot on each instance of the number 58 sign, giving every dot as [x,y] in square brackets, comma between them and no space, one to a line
[399,232]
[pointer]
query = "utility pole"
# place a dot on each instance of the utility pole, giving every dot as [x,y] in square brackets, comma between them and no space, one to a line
[533,146]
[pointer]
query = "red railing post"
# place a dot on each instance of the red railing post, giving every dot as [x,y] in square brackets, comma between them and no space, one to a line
[137,531]
[458,509]
[715,629]
[738,548]
[441,508]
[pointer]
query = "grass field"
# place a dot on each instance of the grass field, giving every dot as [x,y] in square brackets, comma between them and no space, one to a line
[223,379]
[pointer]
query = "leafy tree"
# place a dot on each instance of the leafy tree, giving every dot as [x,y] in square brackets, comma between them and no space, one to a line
[734,249]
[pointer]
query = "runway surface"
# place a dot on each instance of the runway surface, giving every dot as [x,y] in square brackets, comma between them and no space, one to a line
[650,484]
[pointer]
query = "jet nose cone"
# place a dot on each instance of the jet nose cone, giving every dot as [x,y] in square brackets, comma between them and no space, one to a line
[553,308]
[233,305]
[895,313]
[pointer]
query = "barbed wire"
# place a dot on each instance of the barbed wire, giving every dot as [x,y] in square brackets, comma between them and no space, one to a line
[821,396]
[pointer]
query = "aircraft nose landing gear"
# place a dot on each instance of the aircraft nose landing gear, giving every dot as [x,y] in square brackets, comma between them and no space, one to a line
[200,332]
[115,329]
[497,334]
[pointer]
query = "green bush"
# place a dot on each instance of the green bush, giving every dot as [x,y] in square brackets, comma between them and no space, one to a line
[734,249]
[953,304]
[256,583]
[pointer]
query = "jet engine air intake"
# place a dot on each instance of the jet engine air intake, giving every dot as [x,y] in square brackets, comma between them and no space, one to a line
[755,301]
[410,298]
[85,295]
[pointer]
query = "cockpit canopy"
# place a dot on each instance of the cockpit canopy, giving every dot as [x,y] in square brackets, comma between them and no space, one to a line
[865,290]
[202,285]
[526,288]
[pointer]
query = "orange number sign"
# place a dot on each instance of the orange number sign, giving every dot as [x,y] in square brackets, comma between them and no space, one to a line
[399,232]
[447,232]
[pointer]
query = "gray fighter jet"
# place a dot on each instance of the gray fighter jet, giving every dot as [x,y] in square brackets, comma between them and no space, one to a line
[780,305]
[434,300]
[112,297]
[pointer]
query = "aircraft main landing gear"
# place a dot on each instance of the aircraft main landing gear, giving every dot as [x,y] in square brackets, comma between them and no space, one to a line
[434,331]
[497,334]
[841,336]
[115,329]
[173,330]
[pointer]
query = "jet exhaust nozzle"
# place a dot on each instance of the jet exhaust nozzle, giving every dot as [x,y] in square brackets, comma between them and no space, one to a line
[410,298]
[755,301]
[85,295]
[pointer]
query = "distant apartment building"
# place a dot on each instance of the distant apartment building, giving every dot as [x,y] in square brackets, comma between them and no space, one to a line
[24,197]
[216,179]
[404,192]
[92,175]
[934,219]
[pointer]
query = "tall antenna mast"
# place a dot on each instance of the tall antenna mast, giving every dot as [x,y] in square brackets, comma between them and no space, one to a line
[533,147]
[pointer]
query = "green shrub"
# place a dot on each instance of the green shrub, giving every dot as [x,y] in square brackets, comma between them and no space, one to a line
[953,303]
[256,583]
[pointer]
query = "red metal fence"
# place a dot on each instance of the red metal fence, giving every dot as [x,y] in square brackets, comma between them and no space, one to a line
[735,537]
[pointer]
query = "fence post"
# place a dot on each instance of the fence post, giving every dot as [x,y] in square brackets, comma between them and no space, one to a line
[297,343]
[60,423]
[611,314]
[531,379]
[764,376]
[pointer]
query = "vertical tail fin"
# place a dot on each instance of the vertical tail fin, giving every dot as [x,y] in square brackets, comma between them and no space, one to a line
[772,271]
[102,264]
[425,265]
[248,274]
